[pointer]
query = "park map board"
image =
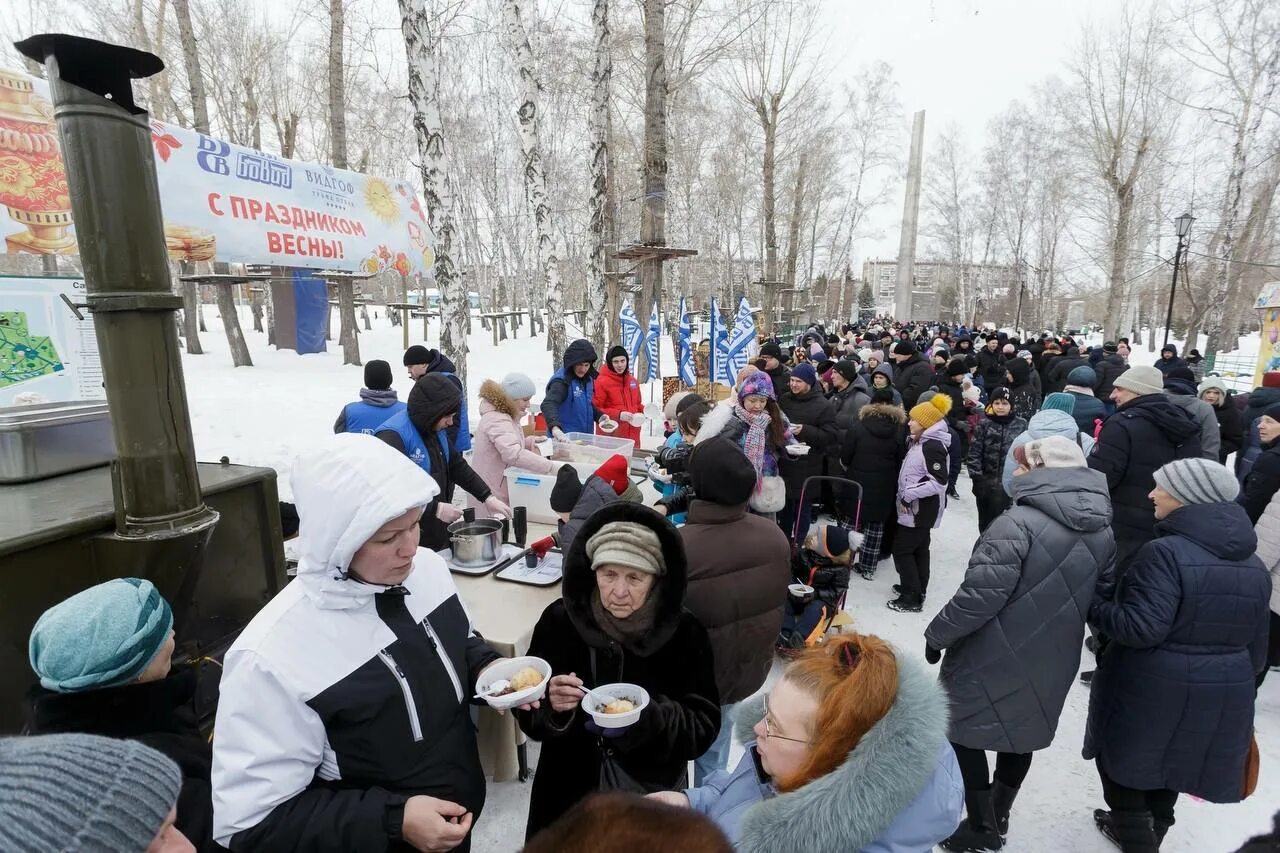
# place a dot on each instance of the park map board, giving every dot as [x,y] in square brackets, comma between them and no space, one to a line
[45,349]
[24,356]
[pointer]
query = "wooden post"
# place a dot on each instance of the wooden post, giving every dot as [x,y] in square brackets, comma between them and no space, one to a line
[191,313]
[347,314]
[231,325]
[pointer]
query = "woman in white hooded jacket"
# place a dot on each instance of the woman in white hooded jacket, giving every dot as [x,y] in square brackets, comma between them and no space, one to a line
[499,442]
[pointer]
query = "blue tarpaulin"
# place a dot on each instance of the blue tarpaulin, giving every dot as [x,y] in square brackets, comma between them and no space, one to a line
[311,298]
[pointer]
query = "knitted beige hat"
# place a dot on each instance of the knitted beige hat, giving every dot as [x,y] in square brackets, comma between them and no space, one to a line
[626,543]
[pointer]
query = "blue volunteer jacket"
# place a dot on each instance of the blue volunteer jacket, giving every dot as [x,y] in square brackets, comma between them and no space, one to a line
[577,412]
[362,416]
[414,447]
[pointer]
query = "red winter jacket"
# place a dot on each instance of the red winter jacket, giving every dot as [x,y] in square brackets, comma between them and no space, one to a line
[616,394]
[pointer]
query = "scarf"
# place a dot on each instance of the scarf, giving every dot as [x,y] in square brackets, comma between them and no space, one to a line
[755,443]
[626,631]
[1001,419]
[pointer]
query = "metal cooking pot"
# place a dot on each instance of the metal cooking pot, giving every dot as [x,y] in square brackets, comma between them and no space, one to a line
[476,543]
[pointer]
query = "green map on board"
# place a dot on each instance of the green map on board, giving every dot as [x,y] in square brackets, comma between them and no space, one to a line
[22,355]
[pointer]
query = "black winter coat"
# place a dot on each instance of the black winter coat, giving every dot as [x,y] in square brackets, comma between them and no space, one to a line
[434,396]
[1251,445]
[815,413]
[1230,429]
[1172,700]
[1108,369]
[1022,394]
[160,714]
[847,403]
[673,662]
[1138,438]
[1088,411]
[1060,368]
[912,378]
[872,453]
[1262,482]
[991,442]
[991,366]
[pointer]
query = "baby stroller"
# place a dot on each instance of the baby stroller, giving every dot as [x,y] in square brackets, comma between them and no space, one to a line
[820,566]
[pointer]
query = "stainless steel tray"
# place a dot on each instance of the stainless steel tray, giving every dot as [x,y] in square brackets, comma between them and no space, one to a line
[53,438]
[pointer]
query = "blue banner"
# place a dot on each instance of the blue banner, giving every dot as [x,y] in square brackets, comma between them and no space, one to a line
[653,370]
[684,358]
[632,334]
[741,341]
[719,347]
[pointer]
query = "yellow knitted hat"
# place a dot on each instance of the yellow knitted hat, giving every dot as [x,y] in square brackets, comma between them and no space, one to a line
[931,411]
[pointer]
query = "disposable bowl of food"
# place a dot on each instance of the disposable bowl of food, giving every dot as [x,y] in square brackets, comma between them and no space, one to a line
[506,668]
[798,449]
[637,694]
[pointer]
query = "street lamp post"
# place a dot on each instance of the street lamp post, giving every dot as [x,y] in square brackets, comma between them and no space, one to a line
[1182,226]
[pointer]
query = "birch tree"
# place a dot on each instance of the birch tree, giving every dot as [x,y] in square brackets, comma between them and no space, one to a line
[422,49]
[599,283]
[1120,114]
[534,176]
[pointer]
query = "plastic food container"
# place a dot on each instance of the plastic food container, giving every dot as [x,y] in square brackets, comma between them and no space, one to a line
[585,447]
[797,449]
[504,669]
[533,491]
[53,438]
[634,692]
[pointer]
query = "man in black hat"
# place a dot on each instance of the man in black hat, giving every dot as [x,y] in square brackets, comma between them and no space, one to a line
[912,375]
[771,356]
[420,361]
[377,403]
[738,573]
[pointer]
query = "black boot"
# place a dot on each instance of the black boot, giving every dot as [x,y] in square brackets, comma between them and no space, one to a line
[978,832]
[1161,828]
[903,604]
[1002,797]
[1132,832]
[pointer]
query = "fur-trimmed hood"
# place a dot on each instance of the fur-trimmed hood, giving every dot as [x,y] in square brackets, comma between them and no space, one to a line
[579,582]
[883,411]
[491,392]
[856,804]
[714,421]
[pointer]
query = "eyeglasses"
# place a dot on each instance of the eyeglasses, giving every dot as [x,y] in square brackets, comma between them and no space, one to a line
[768,727]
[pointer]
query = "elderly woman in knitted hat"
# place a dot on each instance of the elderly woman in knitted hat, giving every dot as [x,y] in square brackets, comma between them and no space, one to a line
[1172,704]
[922,487]
[757,424]
[847,752]
[85,793]
[104,659]
[621,619]
[1230,421]
[500,442]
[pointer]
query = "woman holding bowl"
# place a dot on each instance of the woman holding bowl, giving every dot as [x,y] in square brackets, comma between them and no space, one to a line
[621,620]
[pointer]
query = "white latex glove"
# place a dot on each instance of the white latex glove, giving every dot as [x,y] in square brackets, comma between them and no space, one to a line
[636,418]
[625,417]
[659,475]
[497,507]
[558,434]
[606,424]
[447,512]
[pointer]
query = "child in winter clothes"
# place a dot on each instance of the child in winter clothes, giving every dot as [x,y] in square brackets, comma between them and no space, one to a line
[688,416]
[992,439]
[1022,394]
[922,487]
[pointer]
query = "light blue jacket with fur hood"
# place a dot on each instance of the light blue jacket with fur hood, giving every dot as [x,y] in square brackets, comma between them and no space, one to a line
[900,790]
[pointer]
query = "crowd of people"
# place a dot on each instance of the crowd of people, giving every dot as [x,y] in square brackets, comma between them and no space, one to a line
[1108,521]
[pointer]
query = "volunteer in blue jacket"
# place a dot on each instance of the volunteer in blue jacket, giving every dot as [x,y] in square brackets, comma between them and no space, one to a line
[567,406]
[377,402]
[421,433]
[422,361]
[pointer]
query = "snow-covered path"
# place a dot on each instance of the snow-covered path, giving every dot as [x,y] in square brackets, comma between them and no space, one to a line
[267,414]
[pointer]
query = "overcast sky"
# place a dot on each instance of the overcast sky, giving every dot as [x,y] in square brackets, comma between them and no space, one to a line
[959,60]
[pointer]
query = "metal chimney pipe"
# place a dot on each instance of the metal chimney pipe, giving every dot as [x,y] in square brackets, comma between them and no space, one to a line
[115,199]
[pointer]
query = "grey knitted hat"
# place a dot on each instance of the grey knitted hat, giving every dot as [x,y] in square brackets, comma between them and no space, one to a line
[626,543]
[1197,481]
[518,386]
[83,793]
[1141,380]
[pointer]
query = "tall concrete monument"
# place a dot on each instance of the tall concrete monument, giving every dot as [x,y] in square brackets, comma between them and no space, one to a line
[902,292]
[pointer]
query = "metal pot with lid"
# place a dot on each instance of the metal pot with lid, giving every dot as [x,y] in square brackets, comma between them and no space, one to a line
[476,543]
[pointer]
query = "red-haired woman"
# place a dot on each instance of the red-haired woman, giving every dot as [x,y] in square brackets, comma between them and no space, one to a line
[848,752]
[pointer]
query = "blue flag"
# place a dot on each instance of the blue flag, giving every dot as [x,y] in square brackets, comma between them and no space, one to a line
[719,346]
[632,334]
[741,338]
[685,356]
[653,369]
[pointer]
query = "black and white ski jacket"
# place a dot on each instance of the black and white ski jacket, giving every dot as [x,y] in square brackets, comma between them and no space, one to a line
[341,699]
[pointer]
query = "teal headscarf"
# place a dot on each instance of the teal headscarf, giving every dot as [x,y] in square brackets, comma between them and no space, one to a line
[101,637]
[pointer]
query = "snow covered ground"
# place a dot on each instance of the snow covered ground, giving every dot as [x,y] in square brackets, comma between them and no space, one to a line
[267,414]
